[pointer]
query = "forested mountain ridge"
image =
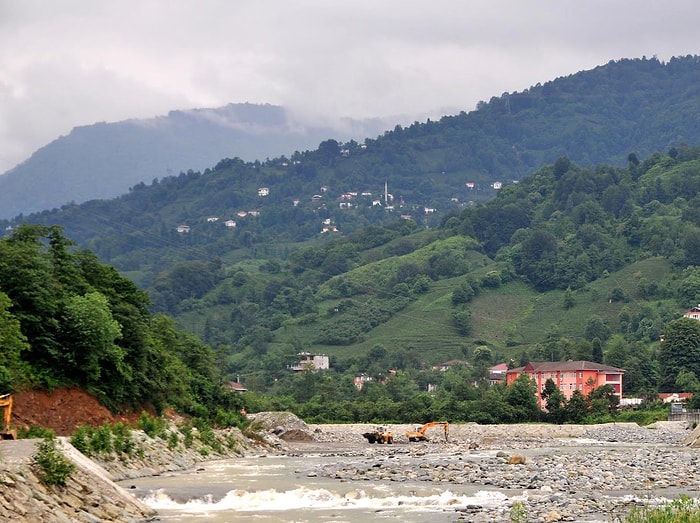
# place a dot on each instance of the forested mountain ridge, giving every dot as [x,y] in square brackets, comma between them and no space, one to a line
[598,116]
[103,160]
[571,263]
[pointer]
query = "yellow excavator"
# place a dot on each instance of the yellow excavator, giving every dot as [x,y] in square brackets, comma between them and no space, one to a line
[418,433]
[6,402]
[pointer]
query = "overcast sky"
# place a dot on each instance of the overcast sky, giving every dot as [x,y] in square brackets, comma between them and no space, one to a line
[65,63]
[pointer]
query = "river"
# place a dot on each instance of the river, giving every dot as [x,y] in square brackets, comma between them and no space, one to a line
[282,489]
[594,476]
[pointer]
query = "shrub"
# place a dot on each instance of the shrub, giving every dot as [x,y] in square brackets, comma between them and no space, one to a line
[227,418]
[122,440]
[53,467]
[34,432]
[462,322]
[101,440]
[173,440]
[187,436]
[682,510]
[208,438]
[150,425]
[81,439]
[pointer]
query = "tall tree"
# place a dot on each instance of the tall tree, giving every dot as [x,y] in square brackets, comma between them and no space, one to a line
[13,343]
[27,278]
[555,402]
[680,351]
[90,353]
[521,395]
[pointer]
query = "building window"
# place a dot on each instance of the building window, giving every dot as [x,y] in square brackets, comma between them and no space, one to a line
[580,374]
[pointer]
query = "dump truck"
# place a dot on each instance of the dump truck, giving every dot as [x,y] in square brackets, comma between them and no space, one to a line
[6,405]
[379,435]
[418,432]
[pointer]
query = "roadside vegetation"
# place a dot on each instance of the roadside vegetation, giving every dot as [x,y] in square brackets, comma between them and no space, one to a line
[120,441]
[681,510]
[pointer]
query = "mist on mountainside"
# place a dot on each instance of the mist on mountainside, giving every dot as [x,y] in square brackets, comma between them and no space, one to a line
[104,160]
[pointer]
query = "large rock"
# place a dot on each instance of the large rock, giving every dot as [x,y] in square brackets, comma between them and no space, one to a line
[284,425]
[692,439]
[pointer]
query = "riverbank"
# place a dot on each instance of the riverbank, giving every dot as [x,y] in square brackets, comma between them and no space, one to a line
[90,493]
[558,473]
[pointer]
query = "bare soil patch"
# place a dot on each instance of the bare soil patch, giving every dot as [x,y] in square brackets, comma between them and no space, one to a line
[62,410]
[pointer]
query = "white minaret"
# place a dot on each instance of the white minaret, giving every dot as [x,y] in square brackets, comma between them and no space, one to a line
[386,193]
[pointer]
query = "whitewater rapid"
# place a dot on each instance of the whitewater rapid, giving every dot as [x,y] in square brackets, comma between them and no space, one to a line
[270,489]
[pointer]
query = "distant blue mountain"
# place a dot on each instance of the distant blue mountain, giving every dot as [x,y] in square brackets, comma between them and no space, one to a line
[105,159]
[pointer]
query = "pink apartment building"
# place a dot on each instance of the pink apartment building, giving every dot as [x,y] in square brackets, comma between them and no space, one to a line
[570,376]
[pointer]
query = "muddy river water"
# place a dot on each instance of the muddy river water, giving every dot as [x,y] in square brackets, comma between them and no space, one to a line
[279,489]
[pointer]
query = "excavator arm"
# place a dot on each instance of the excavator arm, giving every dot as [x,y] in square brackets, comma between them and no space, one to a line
[6,404]
[418,434]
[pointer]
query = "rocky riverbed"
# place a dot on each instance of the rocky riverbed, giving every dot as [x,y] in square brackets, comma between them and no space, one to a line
[550,473]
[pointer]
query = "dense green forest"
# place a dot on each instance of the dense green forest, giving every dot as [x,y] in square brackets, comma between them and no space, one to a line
[572,261]
[68,320]
[599,263]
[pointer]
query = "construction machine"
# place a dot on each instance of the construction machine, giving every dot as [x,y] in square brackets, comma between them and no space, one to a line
[6,403]
[379,435]
[418,432]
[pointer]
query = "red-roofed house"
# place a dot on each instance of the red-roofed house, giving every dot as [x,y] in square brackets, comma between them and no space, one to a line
[570,376]
[693,313]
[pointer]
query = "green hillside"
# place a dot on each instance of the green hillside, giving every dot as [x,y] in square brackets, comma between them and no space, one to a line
[568,260]
[586,260]
[627,109]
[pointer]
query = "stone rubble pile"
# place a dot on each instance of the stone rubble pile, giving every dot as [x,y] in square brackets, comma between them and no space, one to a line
[283,426]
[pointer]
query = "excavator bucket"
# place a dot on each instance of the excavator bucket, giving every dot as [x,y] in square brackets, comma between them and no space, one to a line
[8,434]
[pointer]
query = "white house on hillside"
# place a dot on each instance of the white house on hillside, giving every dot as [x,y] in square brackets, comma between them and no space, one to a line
[310,361]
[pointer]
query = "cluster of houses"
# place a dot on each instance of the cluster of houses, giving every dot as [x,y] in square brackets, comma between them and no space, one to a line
[568,376]
[346,200]
[310,362]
